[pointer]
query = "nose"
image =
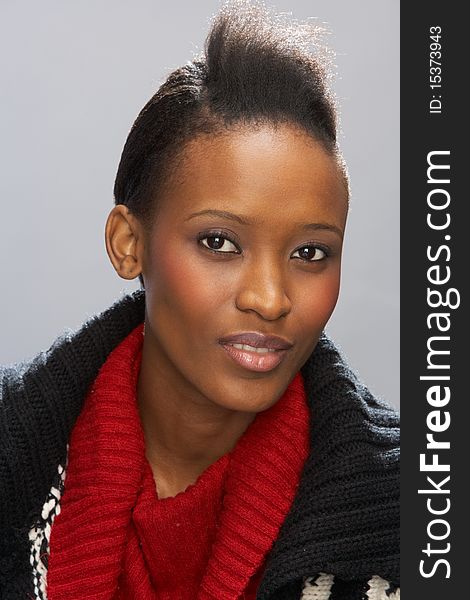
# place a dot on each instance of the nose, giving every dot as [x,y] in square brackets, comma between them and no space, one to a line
[262,290]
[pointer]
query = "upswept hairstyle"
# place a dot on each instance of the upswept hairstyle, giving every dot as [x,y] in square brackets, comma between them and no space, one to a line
[256,68]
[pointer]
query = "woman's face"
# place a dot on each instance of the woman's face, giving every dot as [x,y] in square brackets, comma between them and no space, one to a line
[247,243]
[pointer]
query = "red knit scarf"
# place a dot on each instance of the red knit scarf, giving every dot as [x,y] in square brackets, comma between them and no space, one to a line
[115,540]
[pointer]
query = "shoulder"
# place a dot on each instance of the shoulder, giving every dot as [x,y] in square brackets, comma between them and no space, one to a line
[41,399]
[345,518]
[57,379]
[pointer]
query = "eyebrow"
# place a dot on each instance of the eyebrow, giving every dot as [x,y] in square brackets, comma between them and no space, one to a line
[220,213]
[233,217]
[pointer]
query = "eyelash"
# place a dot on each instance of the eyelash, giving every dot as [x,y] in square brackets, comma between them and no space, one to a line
[224,236]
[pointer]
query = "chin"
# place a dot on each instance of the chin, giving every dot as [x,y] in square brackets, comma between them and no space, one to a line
[248,400]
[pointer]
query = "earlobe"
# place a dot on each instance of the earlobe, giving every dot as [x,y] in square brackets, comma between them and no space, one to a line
[123,242]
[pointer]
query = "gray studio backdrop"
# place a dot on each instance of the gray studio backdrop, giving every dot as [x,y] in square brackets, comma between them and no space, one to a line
[74,75]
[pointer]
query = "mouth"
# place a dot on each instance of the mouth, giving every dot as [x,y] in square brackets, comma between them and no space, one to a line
[256,351]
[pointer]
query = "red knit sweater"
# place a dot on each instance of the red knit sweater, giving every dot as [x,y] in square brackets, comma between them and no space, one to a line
[115,539]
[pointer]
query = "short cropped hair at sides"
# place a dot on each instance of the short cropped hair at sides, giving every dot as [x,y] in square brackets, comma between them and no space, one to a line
[257,68]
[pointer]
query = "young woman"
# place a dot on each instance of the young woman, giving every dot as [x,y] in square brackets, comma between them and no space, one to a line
[202,438]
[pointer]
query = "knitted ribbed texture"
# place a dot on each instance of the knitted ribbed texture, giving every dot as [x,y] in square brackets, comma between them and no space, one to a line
[39,404]
[262,478]
[170,539]
[103,498]
[345,516]
[89,535]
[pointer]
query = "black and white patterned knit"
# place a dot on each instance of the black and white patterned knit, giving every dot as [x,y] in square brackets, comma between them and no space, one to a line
[339,541]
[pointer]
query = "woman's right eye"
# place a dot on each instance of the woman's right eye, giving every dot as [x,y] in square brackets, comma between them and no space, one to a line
[218,243]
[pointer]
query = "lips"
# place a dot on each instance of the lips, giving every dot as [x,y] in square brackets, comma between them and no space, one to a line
[257,340]
[256,351]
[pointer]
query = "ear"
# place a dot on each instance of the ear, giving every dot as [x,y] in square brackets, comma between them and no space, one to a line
[124,238]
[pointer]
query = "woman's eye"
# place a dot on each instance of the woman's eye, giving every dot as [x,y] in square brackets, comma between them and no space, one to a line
[310,253]
[218,243]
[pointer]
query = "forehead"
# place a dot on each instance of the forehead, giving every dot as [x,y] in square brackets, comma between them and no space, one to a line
[266,173]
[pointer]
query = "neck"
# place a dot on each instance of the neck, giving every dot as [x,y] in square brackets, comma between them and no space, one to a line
[184,433]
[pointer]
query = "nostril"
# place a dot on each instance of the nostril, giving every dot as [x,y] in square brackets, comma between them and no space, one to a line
[268,306]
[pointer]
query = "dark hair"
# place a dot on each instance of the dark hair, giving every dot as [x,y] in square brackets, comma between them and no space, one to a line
[256,68]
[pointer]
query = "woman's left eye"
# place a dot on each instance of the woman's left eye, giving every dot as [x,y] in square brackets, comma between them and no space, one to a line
[310,253]
[218,243]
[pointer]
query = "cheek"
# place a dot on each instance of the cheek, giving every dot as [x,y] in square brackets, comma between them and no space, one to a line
[179,286]
[318,302]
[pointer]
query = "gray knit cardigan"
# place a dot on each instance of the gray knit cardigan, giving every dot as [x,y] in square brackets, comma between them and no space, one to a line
[340,540]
